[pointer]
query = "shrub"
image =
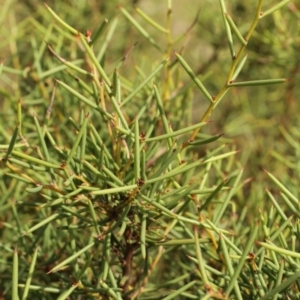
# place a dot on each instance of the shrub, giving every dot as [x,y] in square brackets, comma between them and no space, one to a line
[110,190]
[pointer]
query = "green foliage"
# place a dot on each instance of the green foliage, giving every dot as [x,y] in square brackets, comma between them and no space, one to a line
[115,183]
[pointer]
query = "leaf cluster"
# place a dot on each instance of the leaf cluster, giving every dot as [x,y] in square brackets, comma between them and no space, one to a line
[112,187]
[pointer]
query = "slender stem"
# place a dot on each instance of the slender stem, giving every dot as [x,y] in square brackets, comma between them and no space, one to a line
[248,36]
[166,93]
[234,65]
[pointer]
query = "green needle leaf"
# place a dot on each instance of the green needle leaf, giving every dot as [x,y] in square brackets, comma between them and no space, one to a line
[176,133]
[76,94]
[145,82]
[71,258]
[283,188]
[283,286]
[281,251]
[15,275]
[98,32]
[60,21]
[35,160]
[194,78]
[30,275]
[12,142]
[227,29]
[235,30]
[78,138]
[42,223]
[258,82]
[151,21]
[94,59]
[179,291]
[69,64]
[139,28]
[274,8]
[205,141]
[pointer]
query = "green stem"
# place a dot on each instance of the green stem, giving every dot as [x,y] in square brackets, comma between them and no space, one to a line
[234,65]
